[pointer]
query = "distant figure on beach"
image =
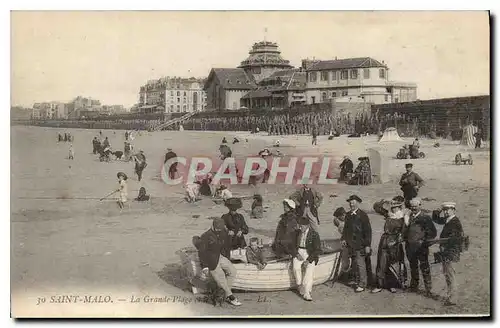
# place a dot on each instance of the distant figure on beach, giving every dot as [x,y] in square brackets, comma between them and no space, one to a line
[235,140]
[71,152]
[172,169]
[410,183]
[224,140]
[140,164]
[314,137]
[105,143]
[478,137]
[96,145]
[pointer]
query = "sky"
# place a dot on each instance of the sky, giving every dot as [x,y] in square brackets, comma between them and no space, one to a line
[108,55]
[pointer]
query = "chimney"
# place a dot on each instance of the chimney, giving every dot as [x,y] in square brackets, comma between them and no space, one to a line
[335,57]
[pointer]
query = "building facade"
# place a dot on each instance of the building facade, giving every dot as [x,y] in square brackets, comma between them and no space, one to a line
[283,89]
[226,86]
[172,95]
[50,110]
[354,79]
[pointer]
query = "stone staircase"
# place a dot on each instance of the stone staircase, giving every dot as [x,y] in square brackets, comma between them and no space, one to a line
[173,121]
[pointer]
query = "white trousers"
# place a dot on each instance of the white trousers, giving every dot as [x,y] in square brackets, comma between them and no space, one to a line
[305,281]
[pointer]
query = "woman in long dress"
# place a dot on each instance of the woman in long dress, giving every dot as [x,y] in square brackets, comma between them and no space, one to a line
[391,270]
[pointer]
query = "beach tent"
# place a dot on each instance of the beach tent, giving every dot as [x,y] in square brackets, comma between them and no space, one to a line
[468,138]
[390,134]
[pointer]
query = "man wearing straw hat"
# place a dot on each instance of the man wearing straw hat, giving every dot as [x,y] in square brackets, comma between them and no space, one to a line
[214,251]
[450,247]
[357,236]
[418,229]
[306,253]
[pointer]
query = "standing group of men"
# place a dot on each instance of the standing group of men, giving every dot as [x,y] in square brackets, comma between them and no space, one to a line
[406,224]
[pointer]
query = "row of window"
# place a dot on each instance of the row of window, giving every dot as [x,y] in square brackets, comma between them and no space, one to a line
[161,94]
[184,108]
[324,95]
[343,74]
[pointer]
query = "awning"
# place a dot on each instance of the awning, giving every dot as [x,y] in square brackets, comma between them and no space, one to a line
[147,106]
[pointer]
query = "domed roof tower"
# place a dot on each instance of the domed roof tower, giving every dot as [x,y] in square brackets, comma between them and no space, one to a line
[264,59]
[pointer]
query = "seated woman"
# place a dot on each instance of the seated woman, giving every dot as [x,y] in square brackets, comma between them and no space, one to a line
[235,223]
[206,185]
[345,168]
[286,231]
[362,174]
[142,197]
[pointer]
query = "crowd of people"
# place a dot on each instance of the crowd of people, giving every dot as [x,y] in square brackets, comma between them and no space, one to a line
[408,230]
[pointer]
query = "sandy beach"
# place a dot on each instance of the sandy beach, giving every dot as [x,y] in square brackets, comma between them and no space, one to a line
[87,247]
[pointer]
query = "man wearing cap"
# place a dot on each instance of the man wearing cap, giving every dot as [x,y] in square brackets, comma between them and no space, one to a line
[285,232]
[173,167]
[417,230]
[214,248]
[410,183]
[308,201]
[305,253]
[357,236]
[451,247]
[235,223]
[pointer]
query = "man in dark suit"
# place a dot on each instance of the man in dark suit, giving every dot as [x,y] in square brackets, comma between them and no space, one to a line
[410,183]
[214,248]
[357,236]
[417,230]
[451,247]
[306,253]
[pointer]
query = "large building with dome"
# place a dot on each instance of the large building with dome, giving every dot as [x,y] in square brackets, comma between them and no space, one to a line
[225,87]
[265,80]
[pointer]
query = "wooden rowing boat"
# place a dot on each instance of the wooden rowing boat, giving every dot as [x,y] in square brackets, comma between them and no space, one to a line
[277,275]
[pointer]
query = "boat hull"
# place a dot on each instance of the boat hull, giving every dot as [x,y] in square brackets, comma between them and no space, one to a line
[274,277]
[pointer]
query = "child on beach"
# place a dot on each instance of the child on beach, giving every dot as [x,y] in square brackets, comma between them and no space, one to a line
[257,209]
[71,152]
[255,255]
[122,181]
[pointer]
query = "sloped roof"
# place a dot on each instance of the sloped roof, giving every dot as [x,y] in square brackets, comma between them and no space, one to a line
[361,62]
[260,93]
[232,78]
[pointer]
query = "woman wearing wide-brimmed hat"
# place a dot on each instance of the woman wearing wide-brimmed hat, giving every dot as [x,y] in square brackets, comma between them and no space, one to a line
[235,223]
[391,270]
